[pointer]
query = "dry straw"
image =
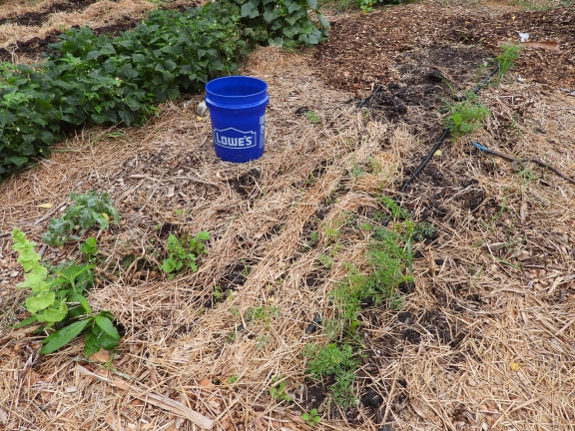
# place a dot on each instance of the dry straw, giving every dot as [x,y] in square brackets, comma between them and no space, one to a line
[484,342]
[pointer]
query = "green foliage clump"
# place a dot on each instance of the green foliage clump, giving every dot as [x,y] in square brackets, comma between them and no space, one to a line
[388,262]
[184,252]
[98,79]
[506,59]
[57,301]
[466,116]
[423,230]
[284,23]
[88,209]
[367,5]
[335,361]
[397,212]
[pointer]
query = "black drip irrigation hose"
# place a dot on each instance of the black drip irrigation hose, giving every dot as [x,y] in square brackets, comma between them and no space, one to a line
[368,98]
[318,318]
[441,139]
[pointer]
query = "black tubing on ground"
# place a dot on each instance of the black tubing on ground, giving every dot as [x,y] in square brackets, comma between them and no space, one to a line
[442,138]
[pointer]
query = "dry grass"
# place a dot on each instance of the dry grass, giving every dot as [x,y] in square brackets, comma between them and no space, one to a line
[103,13]
[494,289]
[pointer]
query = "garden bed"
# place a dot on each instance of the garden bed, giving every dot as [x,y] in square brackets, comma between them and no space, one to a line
[484,338]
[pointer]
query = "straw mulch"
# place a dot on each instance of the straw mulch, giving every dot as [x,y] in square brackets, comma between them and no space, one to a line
[102,16]
[485,341]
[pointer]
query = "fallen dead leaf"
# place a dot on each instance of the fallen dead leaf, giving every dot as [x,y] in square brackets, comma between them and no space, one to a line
[101,356]
[205,383]
[551,46]
[113,422]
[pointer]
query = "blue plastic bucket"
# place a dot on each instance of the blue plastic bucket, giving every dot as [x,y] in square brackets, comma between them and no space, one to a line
[238,113]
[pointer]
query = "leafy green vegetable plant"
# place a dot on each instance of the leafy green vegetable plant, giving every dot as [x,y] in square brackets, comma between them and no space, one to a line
[184,252]
[312,418]
[98,79]
[59,304]
[88,209]
[279,22]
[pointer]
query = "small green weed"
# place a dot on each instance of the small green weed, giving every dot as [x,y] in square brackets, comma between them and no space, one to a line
[184,252]
[233,379]
[262,313]
[397,212]
[325,260]
[313,117]
[356,170]
[466,116]
[262,341]
[89,248]
[312,418]
[506,59]
[314,237]
[423,230]
[88,209]
[277,391]
[335,361]
[218,295]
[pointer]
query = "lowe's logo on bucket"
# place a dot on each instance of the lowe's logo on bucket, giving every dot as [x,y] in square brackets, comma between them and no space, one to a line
[234,138]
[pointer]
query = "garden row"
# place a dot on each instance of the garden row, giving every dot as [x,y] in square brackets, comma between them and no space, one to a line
[88,79]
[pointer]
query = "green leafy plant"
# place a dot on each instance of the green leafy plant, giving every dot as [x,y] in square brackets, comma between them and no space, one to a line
[58,302]
[233,379]
[466,116]
[218,295]
[312,418]
[277,391]
[89,248]
[282,22]
[184,252]
[325,260]
[88,209]
[262,341]
[367,5]
[397,212]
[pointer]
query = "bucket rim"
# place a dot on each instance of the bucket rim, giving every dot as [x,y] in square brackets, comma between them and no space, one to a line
[247,78]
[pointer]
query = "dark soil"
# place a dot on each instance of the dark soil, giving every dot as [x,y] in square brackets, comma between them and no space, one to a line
[235,276]
[38,18]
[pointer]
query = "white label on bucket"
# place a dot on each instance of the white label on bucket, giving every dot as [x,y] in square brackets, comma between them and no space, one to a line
[262,130]
[234,138]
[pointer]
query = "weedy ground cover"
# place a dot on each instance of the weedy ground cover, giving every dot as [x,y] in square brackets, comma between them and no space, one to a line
[388,259]
[58,295]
